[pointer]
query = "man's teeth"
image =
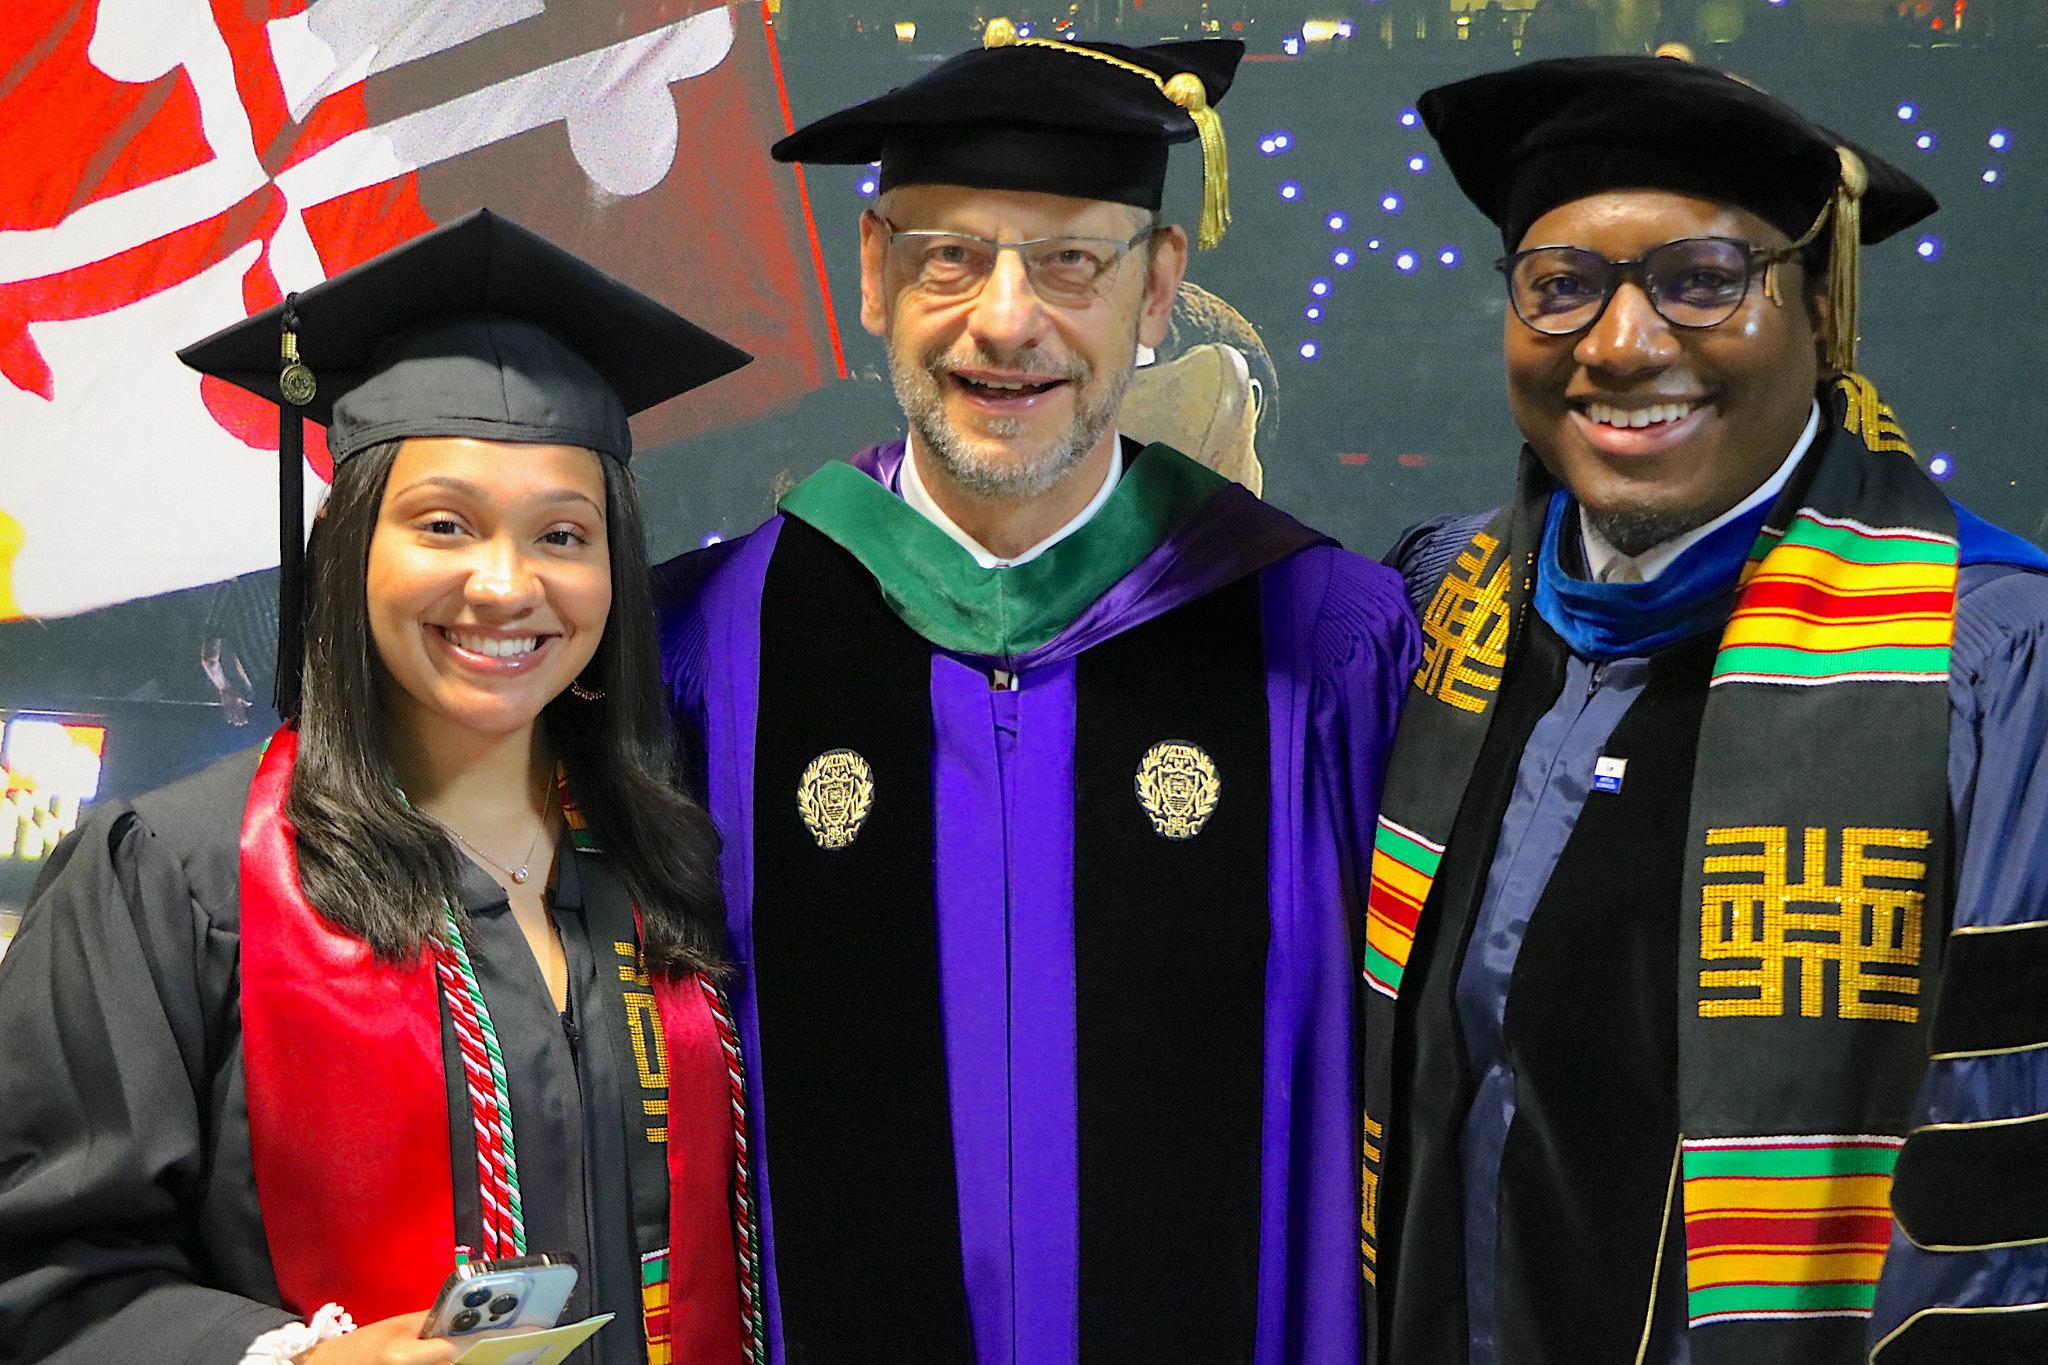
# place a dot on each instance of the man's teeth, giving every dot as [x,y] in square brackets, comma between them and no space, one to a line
[496,646]
[1611,416]
[1009,385]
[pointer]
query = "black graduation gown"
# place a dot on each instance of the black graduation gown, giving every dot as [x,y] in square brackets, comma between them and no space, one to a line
[129,1225]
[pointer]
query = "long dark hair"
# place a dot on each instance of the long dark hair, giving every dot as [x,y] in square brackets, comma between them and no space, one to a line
[374,866]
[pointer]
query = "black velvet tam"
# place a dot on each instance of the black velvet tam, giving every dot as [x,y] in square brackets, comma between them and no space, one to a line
[1525,140]
[1036,116]
[479,328]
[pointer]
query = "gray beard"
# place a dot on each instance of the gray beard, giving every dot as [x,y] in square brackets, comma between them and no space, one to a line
[1633,531]
[920,391]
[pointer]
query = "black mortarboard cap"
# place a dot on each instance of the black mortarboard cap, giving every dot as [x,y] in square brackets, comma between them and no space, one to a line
[1089,120]
[1525,140]
[478,328]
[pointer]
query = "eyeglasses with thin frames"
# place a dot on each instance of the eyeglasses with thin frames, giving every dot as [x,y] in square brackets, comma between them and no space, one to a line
[1063,270]
[1694,283]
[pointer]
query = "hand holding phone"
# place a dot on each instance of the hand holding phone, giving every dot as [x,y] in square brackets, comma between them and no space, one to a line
[519,1294]
[388,1341]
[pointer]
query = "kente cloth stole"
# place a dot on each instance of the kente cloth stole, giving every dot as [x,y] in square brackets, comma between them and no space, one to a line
[349,1112]
[1171,923]
[1816,874]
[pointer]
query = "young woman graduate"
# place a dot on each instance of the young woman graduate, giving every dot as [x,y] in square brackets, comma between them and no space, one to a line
[277,1040]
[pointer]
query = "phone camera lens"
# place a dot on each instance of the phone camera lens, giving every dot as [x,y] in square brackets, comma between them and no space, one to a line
[503,1304]
[467,1319]
[476,1298]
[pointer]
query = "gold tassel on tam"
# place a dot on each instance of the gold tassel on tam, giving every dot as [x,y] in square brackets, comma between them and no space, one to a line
[1843,254]
[1185,90]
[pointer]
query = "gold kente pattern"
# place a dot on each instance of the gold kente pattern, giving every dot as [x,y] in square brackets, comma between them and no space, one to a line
[1465,629]
[1369,1205]
[1869,417]
[1867,922]
[650,1048]
[834,796]
[1179,787]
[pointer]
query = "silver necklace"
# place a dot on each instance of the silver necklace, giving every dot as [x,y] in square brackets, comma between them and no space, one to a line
[519,874]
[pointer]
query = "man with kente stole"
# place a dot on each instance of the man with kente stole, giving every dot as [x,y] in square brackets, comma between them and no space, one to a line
[1705,935]
[1045,764]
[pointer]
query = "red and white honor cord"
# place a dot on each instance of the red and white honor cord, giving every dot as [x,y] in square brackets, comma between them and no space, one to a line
[753,1332]
[490,1094]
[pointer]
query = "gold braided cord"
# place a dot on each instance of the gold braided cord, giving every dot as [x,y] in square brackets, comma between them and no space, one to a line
[1003,33]
[1185,90]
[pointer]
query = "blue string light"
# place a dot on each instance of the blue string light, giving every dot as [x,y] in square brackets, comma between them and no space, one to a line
[1341,258]
[1390,202]
[1928,248]
[1408,118]
[1926,142]
[1320,286]
[1309,350]
[1449,257]
[1940,466]
[1999,139]
[1418,163]
[1290,190]
[1405,262]
[1337,222]
[1908,112]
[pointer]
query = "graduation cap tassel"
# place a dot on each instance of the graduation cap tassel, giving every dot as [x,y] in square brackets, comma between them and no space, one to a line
[1843,256]
[1186,90]
[296,385]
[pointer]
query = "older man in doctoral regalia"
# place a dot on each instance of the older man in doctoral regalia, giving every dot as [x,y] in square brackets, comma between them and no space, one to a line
[1046,765]
[1706,930]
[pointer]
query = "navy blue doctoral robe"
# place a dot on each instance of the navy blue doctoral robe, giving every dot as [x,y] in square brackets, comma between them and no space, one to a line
[1998,784]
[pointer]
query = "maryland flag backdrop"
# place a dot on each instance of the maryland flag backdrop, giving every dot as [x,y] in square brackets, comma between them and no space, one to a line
[168,166]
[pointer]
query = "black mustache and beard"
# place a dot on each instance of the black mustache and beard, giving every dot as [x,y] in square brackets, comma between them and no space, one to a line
[1634,530]
[1006,471]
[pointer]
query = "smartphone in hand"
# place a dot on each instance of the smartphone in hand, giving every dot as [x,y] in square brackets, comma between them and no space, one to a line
[514,1294]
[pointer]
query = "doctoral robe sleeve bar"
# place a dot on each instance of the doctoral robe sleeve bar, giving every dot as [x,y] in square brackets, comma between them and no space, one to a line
[1964,1296]
[119,1054]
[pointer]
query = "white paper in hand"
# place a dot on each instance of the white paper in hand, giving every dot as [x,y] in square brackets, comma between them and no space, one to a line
[548,1347]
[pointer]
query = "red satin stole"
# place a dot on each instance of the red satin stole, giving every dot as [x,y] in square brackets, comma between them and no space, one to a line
[348,1108]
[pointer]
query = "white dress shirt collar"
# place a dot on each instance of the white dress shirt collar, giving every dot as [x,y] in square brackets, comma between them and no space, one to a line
[1605,564]
[910,485]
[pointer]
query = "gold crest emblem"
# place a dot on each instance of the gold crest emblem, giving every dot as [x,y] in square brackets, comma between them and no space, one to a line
[834,796]
[1178,787]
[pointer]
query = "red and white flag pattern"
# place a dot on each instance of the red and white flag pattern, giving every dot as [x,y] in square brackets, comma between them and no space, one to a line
[168,166]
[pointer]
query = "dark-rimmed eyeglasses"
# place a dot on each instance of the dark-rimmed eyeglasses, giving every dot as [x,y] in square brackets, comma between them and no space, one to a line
[1070,270]
[1694,282]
